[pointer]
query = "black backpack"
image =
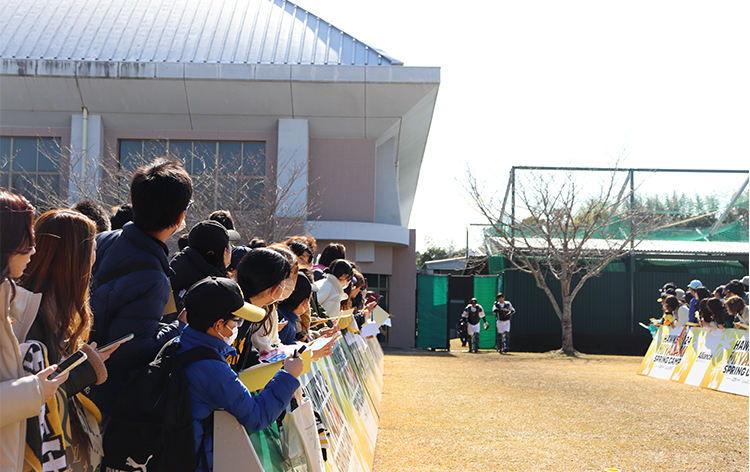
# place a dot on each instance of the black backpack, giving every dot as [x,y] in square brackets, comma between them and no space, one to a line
[151,427]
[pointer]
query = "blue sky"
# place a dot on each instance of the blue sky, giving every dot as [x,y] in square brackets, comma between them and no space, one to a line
[662,84]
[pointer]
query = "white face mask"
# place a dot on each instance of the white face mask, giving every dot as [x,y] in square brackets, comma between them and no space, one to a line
[231,338]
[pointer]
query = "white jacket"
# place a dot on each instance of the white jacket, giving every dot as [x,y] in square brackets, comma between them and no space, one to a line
[21,396]
[331,294]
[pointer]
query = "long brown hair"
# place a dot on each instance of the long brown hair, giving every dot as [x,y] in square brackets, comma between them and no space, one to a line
[16,228]
[61,270]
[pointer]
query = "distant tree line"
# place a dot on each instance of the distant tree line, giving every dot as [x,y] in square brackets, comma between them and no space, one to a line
[694,212]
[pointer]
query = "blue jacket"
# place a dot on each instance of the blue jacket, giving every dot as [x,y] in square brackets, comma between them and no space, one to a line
[133,303]
[288,334]
[213,385]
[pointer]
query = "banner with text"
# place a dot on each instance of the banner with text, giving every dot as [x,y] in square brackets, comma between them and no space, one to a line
[711,358]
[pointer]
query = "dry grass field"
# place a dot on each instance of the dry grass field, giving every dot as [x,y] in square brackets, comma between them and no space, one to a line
[456,411]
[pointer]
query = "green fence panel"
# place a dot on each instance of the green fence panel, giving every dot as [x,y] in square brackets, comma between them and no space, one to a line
[432,311]
[485,290]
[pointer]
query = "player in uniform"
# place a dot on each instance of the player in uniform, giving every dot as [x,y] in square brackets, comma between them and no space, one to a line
[473,313]
[503,312]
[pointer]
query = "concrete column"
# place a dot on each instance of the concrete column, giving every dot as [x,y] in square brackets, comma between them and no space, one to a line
[85,159]
[292,167]
[403,294]
[386,185]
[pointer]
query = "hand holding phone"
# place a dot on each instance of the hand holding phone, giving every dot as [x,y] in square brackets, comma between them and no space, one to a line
[115,343]
[69,364]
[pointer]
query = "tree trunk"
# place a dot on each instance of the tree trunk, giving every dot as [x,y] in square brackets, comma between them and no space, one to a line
[567,328]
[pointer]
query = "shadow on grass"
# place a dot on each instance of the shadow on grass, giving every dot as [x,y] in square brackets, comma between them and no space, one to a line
[398,351]
[486,354]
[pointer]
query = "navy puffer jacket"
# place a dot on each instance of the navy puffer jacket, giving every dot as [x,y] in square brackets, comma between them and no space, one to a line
[132,303]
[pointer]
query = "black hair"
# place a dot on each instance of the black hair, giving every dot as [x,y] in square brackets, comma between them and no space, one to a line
[261,269]
[735,303]
[256,243]
[702,292]
[499,295]
[203,322]
[332,252]
[95,213]
[123,215]
[298,247]
[222,217]
[160,192]
[340,267]
[716,308]
[704,311]
[671,303]
[735,287]
[302,291]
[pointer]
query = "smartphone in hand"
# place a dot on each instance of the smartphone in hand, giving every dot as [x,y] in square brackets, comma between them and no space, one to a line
[116,342]
[69,364]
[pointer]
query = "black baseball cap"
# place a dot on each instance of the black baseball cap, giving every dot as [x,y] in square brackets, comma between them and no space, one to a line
[220,295]
[209,237]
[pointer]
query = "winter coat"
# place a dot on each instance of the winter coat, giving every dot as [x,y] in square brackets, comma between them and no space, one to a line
[214,385]
[331,294]
[189,267]
[288,334]
[266,341]
[80,377]
[21,396]
[133,303]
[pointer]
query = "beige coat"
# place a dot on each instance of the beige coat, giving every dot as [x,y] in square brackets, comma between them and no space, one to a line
[21,397]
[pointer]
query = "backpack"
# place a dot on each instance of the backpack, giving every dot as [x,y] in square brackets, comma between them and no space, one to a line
[151,427]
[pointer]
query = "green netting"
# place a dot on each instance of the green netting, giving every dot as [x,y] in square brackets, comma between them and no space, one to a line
[496,265]
[432,311]
[736,231]
[485,290]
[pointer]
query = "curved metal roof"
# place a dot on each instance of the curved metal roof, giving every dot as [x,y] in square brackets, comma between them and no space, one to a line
[177,31]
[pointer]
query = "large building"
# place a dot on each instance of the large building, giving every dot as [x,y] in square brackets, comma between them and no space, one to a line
[103,80]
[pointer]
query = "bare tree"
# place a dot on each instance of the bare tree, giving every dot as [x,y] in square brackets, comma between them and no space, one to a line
[564,230]
[244,184]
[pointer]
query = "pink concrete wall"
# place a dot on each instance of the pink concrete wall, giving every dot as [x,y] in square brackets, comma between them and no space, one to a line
[403,294]
[383,263]
[342,172]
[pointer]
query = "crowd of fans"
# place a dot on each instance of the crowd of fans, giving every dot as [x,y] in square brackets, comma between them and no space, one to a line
[724,307]
[74,279]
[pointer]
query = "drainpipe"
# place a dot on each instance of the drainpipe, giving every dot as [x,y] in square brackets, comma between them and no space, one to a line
[84,140]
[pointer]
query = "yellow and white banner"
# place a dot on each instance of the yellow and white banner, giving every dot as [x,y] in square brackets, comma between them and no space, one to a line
[711,358]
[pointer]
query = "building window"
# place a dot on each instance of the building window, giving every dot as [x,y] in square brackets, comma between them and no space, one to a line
[226,175]
[379,284]
[31,167]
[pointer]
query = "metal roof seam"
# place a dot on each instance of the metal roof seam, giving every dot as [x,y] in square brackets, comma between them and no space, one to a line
[278,32]
[178,31]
